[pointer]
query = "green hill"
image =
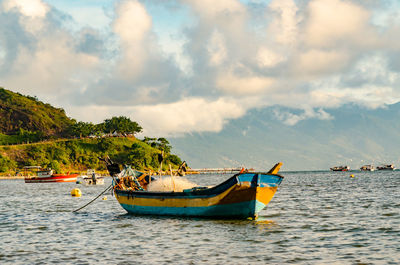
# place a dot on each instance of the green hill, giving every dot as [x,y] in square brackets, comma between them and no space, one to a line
[25,115]
[25,122]
[80,154]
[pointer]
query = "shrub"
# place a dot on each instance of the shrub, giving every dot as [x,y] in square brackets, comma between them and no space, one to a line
[6,164]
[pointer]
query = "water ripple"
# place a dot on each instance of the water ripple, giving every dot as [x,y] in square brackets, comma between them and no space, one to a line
[315,218]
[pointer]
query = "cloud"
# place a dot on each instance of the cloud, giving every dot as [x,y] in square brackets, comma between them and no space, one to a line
[292,119]
[185,116]
[132,26]
[216,49]
[248,84]
[30,14]
[29,8]
[284,25]
[224,58]
[140,73]
[319,62]
[335,22]
[268,58]
[211,10]
[42,59]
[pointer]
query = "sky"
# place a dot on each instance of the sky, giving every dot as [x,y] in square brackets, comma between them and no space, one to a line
[185,66]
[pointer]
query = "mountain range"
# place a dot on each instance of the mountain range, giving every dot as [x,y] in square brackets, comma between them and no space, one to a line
[353,136]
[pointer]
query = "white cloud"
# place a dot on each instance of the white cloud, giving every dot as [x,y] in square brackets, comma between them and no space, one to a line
[308,55]
[319,62]
[268,58]
[247,84]
[212,9]
[132,25]
[45,63]
[189,115]
[185,116]
[284,27]
[292,119]
[369,96]
[216,48]
[30,8]
[335,22]
[43,70]
[33,13]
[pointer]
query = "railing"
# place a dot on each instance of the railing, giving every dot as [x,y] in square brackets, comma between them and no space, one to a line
[214,170]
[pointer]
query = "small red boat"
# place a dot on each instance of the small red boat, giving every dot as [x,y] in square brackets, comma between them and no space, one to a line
[48,176]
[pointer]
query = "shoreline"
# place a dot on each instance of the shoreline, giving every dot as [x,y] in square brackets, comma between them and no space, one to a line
[11,177]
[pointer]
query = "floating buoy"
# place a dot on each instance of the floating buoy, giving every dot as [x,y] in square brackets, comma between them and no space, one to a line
[76,192]
[351,176]
[104,198]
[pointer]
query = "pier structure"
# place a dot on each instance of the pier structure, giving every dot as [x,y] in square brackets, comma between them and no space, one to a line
[229,170]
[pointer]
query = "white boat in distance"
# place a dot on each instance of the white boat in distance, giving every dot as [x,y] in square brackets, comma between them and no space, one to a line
[386,167]
[367,168]
[91,178]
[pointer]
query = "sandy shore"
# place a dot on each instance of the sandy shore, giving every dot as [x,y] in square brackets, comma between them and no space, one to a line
[11,177]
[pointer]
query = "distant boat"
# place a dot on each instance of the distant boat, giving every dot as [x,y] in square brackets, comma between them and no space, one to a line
[44,176]
[340,168]
[386,167]
[91,178]
[367,168]
[243,195]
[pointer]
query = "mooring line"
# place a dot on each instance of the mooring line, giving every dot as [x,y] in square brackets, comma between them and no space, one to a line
[108,188]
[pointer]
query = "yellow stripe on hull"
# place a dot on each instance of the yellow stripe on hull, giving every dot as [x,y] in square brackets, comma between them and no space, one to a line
[241,196]
[235,194]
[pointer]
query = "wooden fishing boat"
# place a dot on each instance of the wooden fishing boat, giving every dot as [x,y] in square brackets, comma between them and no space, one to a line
[44,176]
[243,195]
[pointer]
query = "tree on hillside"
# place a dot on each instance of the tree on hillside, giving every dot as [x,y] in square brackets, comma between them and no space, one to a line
[7,164]
[29,136]
[105,145]
[174,159]
[121,124]
[139,157]
[161,144]
[149,140]
[81,129]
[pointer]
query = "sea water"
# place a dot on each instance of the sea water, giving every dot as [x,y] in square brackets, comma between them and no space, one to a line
[314,218]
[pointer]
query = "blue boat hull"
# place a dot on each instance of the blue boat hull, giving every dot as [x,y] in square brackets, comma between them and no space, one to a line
[241,196]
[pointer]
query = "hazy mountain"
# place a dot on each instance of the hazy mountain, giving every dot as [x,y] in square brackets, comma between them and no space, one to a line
[354,136]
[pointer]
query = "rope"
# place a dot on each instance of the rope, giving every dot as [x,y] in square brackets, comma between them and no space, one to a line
[108,188]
